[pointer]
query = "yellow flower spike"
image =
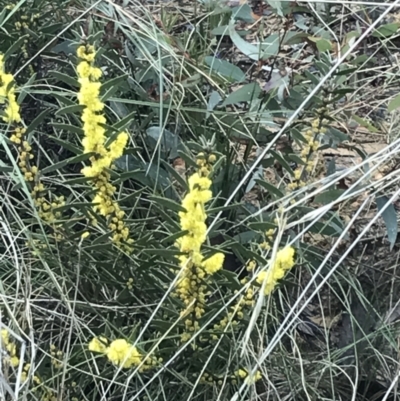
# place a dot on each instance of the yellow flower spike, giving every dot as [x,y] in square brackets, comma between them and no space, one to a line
[14,361]
[98,344]
[5,337]
[284,261]
[123,354]
[94,141]
[7,94]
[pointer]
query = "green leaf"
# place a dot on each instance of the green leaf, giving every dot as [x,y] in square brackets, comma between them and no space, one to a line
[386,30]
[167,253]
[394,103]
[336,135]
[246,237]
[270,46]
[111,86]
[37,120]
[113,82]
[282,161]
[243,13]
[126,121]
[226,69]
[17,45]
[70,109]
[251,51]
[65,78]
[67,47]
[270,189]
[323,45]
[213,101]
[390,218]
[328,196]
[63,99]
[179,179]
[67,145]
[223,30]
[246,93]
[167,139]
[168,203]
[261,226]
[70,128]
[364,123]
[63,163]
[329,228]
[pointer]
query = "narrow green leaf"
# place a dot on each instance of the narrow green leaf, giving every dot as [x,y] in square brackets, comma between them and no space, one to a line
[76,108]
[261,226]
[282,161]
[16,45]
[182,182]
[65,78]
[63,163]
[117,81]
[63,99]
[270,188]
[224,31]
[37,120]
[167,203]
[70,128]
[364,123]
[163,252]
[67,145]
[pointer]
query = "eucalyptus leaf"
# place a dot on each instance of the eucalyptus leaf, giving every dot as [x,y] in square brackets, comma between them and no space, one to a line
[226,69]
[246,93]
[257,175]
[328,196]
[386,30]
[213,101]
[251,51]
[389,217]
[223,30]
[168,140]
[243,13]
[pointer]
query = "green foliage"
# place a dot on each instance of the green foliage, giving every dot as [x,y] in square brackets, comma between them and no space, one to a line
[181,98]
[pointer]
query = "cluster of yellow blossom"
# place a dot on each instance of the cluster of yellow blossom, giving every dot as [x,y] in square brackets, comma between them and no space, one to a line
[31,173]
[94,142]
[25,25]
[56,356]
[129,283]
[119,352]
[24,375]
[269,239]
[191,287]
[10,347]
[207,378]
[236,311]
[244,374]
[7,94]
[308,151]
[283,262]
